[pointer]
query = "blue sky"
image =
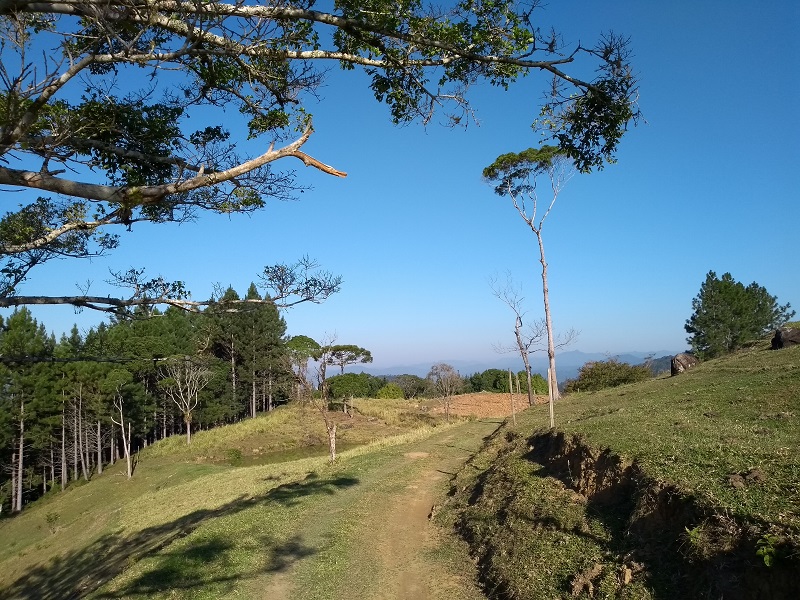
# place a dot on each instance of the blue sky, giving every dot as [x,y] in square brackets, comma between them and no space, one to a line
[708,182]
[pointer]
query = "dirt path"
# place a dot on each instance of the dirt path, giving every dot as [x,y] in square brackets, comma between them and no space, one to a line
[375,540]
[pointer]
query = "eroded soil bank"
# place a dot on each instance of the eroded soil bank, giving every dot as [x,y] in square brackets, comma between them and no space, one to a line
[550,516]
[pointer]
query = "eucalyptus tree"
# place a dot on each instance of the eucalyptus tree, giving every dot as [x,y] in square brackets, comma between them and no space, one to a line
[98,102]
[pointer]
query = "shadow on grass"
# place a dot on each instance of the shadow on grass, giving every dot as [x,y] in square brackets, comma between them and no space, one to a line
[81,572]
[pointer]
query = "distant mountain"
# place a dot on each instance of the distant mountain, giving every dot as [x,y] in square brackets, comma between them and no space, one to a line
[569,363]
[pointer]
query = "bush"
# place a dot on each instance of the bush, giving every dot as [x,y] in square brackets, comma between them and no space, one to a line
[391,391]
[598,375]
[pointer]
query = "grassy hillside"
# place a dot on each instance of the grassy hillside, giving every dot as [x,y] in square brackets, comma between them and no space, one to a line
[684,486]
[70,544]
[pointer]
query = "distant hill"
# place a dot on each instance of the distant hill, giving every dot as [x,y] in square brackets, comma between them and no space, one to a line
[569,363]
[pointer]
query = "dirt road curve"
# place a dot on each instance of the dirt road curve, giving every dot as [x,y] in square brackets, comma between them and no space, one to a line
[374,540]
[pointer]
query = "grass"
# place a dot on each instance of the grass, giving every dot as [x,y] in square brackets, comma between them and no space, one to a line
[187,519]
[692,436]
[287,429]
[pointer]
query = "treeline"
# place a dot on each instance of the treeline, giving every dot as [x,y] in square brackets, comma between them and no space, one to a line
[70,407]
[364,385]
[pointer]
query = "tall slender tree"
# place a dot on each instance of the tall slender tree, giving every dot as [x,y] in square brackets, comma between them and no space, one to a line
[515,175]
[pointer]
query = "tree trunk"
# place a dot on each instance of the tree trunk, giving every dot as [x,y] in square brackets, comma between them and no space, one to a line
[511,392]
[119,404]
[63,447]
[550,392]
[187,419]
[551,346]
[253,397]
[128,450]
[112,445]
[233,374]
[21,453]
[99,451]
[75,445]
[332,440]
[81,436]
[525,358]
[13,482]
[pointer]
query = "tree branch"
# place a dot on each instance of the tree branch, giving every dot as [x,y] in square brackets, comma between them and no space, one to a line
[145,195]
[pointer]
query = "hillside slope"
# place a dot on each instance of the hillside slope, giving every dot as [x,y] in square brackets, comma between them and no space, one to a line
[676,487]
[184,527]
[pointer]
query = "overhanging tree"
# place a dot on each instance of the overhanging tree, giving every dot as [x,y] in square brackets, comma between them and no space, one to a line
[97,101]
[727,315]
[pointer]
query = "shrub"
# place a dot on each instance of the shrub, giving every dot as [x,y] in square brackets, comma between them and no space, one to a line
[601,374]
[391,391]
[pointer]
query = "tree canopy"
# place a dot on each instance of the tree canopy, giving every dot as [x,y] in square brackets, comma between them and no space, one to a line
[727,315]
[99,100]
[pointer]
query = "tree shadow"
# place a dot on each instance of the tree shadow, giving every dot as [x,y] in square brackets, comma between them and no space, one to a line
[83,571]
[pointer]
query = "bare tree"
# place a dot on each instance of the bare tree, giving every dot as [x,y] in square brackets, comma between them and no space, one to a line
[323,402]
[516,176]
[447,382]
[527,339]
[115,383]
[183,380]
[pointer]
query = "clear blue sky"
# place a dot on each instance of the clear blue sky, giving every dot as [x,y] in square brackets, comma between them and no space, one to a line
[709,182]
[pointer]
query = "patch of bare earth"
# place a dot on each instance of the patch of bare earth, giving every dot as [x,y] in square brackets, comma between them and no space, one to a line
[487,404]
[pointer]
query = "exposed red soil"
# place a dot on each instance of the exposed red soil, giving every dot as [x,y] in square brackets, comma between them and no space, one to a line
[486,404]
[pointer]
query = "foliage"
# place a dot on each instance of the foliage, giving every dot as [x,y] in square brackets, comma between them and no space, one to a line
[413,386]
[601,374]
[390,391]
[98,105]
[354,385]
[348,354]
[727,315]
[74,394]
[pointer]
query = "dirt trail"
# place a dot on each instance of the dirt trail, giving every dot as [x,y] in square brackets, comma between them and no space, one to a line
[393,550]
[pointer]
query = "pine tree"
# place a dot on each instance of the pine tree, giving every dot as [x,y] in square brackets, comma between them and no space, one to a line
[27,398]
[727,315]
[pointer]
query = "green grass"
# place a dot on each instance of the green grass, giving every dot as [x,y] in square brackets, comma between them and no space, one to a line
[286,429]
[689,434]
[55,543]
